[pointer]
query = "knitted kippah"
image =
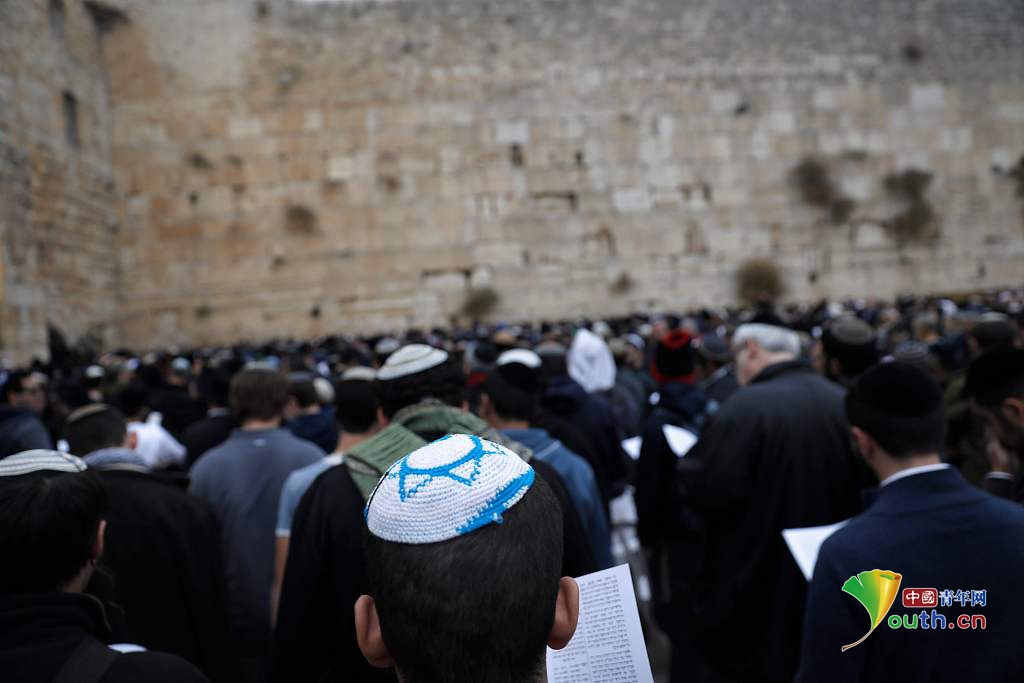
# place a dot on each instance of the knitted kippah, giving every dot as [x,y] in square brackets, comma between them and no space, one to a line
[410,360]
[524,356]
[360,373]
[446,489]
[40,460]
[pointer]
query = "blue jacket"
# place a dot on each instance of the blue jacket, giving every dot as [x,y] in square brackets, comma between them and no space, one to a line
[579,480]
[21,430]
[938,532]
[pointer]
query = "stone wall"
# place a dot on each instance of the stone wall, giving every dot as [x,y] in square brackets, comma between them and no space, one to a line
[58,207]
[287,168]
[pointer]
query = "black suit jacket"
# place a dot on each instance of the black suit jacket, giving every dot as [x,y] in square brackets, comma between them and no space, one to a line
[939,532]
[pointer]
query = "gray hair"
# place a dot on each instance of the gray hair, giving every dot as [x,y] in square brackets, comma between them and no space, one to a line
[769,337]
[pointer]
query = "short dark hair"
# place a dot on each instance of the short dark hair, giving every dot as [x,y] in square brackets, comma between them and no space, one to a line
[445,382]
[94,427]
[303,391]
[133,399]
[356,403]
[901,407]
[478,607]
[514,390]
[214,384]
[13,384]
[996,375]
[258,394]
[48,524]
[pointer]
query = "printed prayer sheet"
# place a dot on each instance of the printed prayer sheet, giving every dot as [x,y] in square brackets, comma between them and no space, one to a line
[805,543]
[609,644]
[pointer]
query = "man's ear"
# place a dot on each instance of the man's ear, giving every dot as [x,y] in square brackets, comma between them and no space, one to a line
[131,440]
[384,421]
[368,634]
[99,541]
[484,410]
[865,444]
[567,613]
[1013,408]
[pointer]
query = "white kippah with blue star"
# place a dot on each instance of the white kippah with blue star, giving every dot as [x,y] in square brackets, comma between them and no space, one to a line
[446,489]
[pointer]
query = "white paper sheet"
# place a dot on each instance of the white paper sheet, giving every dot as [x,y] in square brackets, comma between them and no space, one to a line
[679,440]
[609,644]
[804,544]
[632,446]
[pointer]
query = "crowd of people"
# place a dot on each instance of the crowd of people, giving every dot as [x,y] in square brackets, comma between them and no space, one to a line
[358,508]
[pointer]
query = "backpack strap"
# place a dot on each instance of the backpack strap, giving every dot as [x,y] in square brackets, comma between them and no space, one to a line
[87,664]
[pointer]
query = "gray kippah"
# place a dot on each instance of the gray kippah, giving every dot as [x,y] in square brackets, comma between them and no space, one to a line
[851,330]
[40,460]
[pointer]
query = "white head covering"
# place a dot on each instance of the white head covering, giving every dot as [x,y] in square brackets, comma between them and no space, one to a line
[411,359]
[446,489]
[40,460]
[591,362]
[524,356]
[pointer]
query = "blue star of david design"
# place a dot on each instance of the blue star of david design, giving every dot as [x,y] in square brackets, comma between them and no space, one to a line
[475,455]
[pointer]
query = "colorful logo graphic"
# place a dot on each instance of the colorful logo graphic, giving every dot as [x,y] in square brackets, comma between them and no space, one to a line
[876,590]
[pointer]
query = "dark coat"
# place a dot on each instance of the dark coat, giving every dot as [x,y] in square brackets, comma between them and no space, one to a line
[326,573]
[939,532]
[775,456]
[206,434]
[680,405]
[21,430]
[163,552]
[321,428]
[42,630]
[591,415]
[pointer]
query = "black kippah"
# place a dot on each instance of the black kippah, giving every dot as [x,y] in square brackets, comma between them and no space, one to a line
[994,375]
[900,406]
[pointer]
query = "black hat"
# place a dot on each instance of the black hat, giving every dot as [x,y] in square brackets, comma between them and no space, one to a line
[673,358]
[993,329]
[900,406]
[995,375]
[852,342]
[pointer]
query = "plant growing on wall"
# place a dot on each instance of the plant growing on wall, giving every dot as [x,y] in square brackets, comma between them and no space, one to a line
[759,280]
[916,222]
[479,302]
[812,179]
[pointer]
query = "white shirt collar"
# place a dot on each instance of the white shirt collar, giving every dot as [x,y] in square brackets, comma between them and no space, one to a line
[911,471]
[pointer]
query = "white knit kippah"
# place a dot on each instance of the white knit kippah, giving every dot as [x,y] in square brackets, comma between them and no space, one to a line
[524,356]
[445,489]
[40,460]
[411,359]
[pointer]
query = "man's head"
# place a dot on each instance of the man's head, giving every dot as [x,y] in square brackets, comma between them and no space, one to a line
[674,359]
[51,522]
[416,372]
[97,426]
[712,353]
[512,388]
[991,330]
[258,395]
[756,346]
[995,385]
[302,396]
[896,413]
[464,550]
[26,390]
[848,347]
[133,401]
[357,406]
